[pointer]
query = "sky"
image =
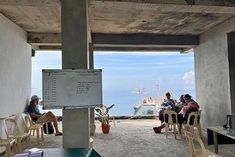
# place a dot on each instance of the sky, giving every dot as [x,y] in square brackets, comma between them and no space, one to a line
[125,73]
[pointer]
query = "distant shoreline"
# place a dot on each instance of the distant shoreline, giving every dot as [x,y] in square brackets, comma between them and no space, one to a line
[132,117]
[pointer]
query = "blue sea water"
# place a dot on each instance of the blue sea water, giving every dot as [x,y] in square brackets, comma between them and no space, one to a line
[125,101]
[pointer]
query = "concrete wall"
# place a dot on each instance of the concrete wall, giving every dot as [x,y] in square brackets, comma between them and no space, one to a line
[212,74]
[15,68]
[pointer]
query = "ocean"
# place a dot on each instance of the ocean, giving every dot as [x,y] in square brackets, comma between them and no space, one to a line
[125,101]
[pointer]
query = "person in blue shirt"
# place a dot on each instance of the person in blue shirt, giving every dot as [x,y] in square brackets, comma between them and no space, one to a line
[38,117]
[167,104]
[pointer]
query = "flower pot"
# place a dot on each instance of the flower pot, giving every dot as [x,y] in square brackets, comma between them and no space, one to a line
[105,128]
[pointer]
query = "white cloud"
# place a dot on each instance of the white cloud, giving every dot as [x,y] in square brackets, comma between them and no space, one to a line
[189,78]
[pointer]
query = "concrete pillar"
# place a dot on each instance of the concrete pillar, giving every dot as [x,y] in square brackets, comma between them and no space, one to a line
[92,111]
[231,60]
[91,56]
[214,67]
[74,55]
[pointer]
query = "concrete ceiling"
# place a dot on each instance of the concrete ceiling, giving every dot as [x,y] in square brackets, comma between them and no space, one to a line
[165,17]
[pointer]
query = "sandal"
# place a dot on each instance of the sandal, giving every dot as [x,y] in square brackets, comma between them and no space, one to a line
[157,130]
[59,134]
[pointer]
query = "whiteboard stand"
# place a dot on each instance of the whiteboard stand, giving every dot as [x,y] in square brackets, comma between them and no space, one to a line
[75,91]
[72,88]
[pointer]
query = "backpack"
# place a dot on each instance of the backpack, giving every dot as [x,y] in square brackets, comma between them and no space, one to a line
[50,128]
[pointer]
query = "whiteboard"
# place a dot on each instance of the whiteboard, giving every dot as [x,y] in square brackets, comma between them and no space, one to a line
[71,88]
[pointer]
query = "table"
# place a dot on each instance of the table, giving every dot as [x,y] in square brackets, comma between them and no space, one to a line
[220,135]
[69,152]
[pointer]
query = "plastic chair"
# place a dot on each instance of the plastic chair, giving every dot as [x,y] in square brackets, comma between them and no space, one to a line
[170,119]
[41,123]
[10,145]
[13,132]
[202,152]
[192,122]
[31,127]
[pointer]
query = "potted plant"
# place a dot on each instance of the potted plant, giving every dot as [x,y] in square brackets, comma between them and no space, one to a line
[103,117]
[105,124]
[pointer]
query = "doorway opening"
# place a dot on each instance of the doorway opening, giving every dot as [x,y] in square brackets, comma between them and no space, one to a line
[129,77]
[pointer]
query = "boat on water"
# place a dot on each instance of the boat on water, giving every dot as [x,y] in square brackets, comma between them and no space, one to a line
[153,105]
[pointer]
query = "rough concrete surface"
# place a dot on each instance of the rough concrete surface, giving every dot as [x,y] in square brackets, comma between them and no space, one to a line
[135,138]
[124,16]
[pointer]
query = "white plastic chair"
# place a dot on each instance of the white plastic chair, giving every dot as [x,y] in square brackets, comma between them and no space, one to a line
[10,145]
[31,127]
[194,118]
[202,152]
[170,122]
[13,132]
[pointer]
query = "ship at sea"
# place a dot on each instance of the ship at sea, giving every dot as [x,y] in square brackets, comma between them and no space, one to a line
[152,105]
[147,105]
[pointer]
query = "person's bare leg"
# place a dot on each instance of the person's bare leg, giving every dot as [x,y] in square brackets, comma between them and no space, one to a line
[53,118]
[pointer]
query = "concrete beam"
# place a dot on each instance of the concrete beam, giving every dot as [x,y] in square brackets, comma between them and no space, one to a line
[144,39]
[120,48]
[120,40]
[137,48]
[214,2]
[44,39]
[50,48]
[32,3]
[181,2]
[123,48]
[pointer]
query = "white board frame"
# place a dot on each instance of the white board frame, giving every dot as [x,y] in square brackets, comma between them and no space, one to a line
[81,88]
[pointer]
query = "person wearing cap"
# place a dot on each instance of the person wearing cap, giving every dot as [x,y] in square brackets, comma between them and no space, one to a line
[38,117]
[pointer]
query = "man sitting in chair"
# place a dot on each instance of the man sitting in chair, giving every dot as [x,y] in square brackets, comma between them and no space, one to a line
[42,118]
[167,104]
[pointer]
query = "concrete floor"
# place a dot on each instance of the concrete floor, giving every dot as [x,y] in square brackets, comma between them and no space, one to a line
[135,138]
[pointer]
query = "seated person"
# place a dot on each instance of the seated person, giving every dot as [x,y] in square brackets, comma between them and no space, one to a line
[191,106]
[38,117]
[177,108]
[183,108]
[168,101]
[167,104]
